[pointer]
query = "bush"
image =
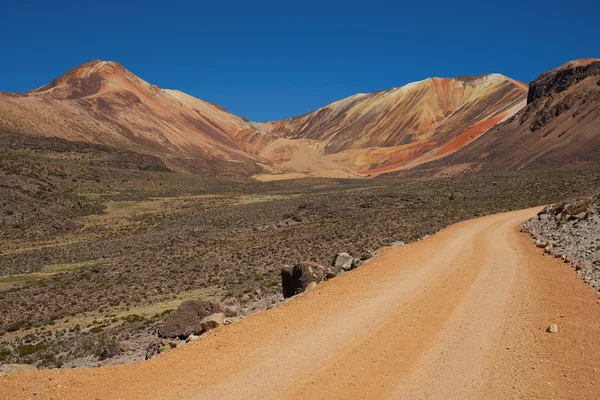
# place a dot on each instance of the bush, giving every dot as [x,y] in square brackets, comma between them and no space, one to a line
[28,349]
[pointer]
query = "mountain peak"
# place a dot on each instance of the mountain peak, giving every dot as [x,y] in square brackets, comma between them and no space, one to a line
[581,62]
[85,80]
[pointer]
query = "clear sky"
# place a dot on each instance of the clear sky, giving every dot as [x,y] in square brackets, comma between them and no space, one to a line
[270,60]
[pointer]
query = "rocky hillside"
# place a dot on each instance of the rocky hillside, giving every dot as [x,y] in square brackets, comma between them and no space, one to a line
[571,232]
[558,128]
[409,125]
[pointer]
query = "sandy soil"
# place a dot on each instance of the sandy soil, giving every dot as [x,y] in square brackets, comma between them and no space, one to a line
[461,315]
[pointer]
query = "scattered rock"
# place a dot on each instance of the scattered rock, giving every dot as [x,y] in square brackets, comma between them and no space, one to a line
[295,280]
[186,320]
[342,262]
[212,321]
[553,328]
[571,231]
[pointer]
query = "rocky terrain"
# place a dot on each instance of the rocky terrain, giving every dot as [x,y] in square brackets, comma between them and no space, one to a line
[571,231]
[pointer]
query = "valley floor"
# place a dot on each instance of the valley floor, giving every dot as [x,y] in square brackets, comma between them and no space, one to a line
[462,315]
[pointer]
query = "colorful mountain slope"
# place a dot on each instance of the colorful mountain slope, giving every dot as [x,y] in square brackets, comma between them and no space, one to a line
[363,135]
[560,127]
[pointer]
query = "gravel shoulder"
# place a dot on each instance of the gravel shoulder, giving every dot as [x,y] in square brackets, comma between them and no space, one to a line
[461,315]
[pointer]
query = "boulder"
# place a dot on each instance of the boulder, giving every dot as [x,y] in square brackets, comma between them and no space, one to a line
[342,262]
[212,321]
[186,320]
[295,280]
[553,328]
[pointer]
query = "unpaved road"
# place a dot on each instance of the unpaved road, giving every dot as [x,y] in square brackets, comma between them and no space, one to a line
[461,315]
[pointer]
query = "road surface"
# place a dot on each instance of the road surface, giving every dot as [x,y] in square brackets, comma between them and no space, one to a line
[461,315]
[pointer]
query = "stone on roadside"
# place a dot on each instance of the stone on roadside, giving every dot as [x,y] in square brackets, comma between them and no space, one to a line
[192,338]
[186,320]
[232,310]
[295,280]
[212,321]
[342,262]
[397,243]
[357,263]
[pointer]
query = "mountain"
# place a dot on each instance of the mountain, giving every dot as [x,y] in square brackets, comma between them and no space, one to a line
[560,127]
[102,102]
[409,125]
[363,135]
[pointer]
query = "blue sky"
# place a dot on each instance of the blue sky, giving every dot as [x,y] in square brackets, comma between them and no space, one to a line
[270,60]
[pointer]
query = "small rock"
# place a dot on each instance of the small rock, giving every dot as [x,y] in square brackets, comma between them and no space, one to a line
[342,261]
[192,338]
[553,328]
[232,310]
[397,244]
[541,243]
[311,286]
[212,321]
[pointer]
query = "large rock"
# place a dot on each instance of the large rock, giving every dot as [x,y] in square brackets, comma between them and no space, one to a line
[342,262]
[187,319]
[296,279]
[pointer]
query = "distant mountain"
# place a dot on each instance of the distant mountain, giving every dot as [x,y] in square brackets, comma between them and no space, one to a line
[560,127]
[424,123]
[102,102]
[409,125]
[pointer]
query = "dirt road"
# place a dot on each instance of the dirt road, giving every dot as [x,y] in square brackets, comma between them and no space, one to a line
[461,315]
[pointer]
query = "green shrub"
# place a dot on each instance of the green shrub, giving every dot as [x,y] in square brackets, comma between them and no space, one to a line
[28,349]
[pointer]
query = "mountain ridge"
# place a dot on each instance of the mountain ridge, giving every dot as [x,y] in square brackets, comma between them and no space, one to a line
[362,135]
